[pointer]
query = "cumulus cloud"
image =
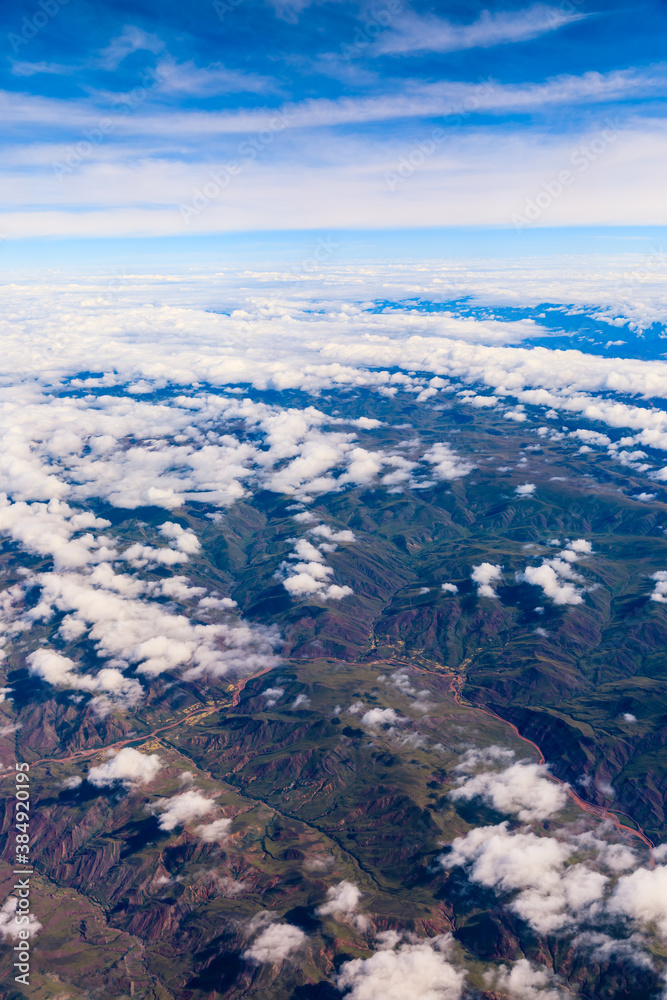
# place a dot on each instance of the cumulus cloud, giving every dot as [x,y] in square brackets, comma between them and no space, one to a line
[109,685]
[485,576]
[446,464]
[551,896]
[400,679]
[660,588]
[49,529]
[182,809]
[213,832]
[63,451]
[522,789]
[273,695]
[132,630]
[131,449]
[553,891]
[603,949]
[642,895]
[558,579]
[73,782]
[523,981]
[549,576]
[9,929]
[526,489]
[182,538]
[449,588]
[309,576]
[376,717]
[275,944]
[127,766]
[342,903]
[404,967]
[617,857]
[474,757]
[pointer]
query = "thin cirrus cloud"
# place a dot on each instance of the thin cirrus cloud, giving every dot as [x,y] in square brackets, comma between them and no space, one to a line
[127,195]
[131,39]
[25,68]
[178,105]
[416,34]
[186,78]
[410,100]
[132,176]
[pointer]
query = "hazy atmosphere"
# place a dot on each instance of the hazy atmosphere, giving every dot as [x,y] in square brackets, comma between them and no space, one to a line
[333,510]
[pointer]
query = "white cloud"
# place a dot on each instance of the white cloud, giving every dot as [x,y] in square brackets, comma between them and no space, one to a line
[273,695]
[275,944]
[400,680]
[580,545]
[474,757]
[131,39]
[642,895]
[556,576]
[48,529]
[191,80]
[485,576]
[144,633]
[130,449]
[376,717]
[9,928]
[522,789]
[214,832]
[617,857]
[446,463]
[551,896]
[310,576]
[522,981]
[412,968]
[183,808]
[526,489]
[412,33]
[73,782]
[603,949]
[342,903]
[450,588]
[127,766]
[111,688]
[660,589]
[549,576]
[145,178]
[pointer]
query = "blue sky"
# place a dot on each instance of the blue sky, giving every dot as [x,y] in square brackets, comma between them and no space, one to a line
[216,116]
